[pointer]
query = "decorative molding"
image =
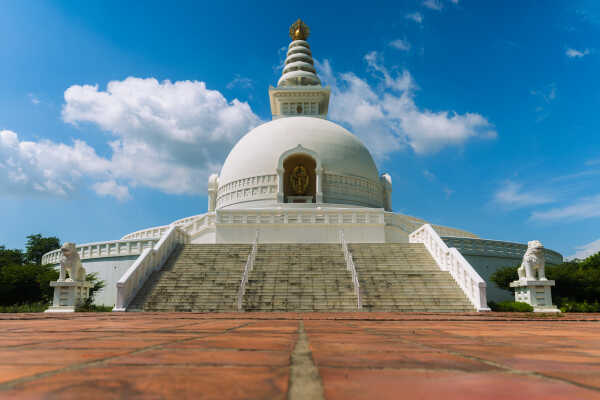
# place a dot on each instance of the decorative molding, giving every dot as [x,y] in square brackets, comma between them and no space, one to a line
[496,248]
[300,216]
[247,189]
[361,190]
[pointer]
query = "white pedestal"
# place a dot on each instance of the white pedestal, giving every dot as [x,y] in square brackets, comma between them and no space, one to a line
[535,293]
[67,294]
[300,199]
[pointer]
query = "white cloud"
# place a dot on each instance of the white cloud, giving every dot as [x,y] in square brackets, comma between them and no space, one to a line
[112,188]
[448,192]
[548,94]
[402,82]
[429,175]
[46,167]
[416,16]
[572,53]
[34,99]
[593,162]
[164,135]
[433,4]
[583,252]
[400,44]
[167,135]
[387,118]
[240,81]
[281,53]
[511,195]
[586,207]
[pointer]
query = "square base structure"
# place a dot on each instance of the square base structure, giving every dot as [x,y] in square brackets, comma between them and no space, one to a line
[67,294]
[536,293]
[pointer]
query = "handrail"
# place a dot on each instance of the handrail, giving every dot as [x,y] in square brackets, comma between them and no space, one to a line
[351,268]
[247,268]
[149,261]
[450,259]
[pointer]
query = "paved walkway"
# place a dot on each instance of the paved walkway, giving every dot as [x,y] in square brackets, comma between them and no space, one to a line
[299,356]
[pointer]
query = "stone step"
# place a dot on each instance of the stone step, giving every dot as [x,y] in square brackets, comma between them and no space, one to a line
[200,278]
[301,277]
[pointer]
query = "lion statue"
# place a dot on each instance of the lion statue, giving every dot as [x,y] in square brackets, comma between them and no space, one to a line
[70,262]
[533,260]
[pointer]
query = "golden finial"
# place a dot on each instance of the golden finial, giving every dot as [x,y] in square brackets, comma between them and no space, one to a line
[299,30]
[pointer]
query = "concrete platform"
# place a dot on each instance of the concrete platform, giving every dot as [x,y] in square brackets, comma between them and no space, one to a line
[299,356]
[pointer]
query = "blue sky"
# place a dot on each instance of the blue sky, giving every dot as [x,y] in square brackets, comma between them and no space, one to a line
[113,114]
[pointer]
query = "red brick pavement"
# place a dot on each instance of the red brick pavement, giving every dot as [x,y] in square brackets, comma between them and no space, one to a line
[247,355]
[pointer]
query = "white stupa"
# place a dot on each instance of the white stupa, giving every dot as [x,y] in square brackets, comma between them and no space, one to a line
[300,178]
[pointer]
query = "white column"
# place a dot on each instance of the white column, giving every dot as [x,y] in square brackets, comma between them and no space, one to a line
[280,185]
[319,185]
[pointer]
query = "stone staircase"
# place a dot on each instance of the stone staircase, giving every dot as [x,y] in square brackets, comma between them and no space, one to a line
[197,278]
[404,277]
[299,277]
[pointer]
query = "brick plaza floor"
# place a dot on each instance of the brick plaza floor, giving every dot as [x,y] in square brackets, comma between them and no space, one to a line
[260,356]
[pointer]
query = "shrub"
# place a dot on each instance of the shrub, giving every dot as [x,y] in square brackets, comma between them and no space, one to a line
[510,306]
[88,304]
[583,307]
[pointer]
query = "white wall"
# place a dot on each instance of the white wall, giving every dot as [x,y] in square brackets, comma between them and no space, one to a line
[110,270]
[299,233]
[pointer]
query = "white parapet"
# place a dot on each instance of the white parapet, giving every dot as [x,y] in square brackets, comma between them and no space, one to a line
[449,259]
[111,248]
[536,293]
[149,261]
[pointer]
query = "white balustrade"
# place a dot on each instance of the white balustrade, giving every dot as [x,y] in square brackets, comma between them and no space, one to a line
[247,268]
[497,248]
[149,261]
[114,248]
[350,267]
[450,259]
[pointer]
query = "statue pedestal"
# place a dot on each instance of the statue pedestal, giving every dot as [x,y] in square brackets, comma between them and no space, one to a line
[67,294]
[535,293]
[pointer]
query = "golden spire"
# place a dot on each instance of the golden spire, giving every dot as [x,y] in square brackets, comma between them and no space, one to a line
[299,30]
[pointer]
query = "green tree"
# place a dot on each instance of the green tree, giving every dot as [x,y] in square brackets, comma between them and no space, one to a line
[577,282]
[504,276]
[27,283]
[11,257]
[37,246]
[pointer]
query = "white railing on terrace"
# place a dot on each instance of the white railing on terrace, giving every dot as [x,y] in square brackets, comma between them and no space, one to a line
[449,259]
[247,268]
[300,216]
[198,223]
[352,269]
[114,248]
[497,248]
[149,261]
[191,225]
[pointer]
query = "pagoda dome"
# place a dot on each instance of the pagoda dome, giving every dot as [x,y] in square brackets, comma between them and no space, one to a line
[255,161]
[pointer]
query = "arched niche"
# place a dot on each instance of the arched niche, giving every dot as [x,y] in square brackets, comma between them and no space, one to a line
[299,179]
[288,161]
